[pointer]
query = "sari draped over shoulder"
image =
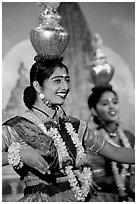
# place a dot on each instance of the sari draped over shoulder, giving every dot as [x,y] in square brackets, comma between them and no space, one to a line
[54,187]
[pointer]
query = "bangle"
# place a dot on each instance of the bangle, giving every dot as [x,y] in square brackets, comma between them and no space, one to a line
[14,157]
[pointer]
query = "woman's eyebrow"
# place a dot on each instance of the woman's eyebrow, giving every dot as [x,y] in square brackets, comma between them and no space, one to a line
[102,100]
[108,99]
[60,76]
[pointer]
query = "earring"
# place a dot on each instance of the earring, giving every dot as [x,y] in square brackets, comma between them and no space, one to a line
[44,100]
[41,95]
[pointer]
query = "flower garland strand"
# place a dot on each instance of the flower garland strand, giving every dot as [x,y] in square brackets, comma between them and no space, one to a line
[81,156]
[119,177]
[80,159]
[82,191]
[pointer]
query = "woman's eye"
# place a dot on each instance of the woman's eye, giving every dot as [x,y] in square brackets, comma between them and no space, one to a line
[68,80]
[115,102]
[104,104]
[57,81]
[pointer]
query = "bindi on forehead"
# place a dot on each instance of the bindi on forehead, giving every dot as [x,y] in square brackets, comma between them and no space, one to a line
[109,99]
[64,75]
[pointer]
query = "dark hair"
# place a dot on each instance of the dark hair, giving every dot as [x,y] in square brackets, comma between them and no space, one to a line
[41,70]
[94,98]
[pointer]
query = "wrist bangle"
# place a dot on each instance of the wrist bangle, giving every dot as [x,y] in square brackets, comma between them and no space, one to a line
[14,157]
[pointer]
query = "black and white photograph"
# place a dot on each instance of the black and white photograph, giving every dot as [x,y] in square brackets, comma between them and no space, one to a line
[68,101]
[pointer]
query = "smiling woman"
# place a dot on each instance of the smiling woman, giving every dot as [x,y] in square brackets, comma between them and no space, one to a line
[52,82]
[116,180]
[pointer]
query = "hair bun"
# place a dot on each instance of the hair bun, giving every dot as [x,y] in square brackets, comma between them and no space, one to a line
[39,58]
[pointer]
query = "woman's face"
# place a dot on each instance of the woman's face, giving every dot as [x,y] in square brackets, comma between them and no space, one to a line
[57,86]
[107,108]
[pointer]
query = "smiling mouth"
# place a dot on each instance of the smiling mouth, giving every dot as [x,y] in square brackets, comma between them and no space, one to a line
[112,113]
[62,94]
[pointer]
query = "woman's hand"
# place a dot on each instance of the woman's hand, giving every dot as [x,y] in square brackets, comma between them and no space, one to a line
[33,158]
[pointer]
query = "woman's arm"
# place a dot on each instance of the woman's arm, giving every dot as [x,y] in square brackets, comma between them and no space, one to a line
[118,154]
[95,143]
[6,140]
[34,159]
[29,156]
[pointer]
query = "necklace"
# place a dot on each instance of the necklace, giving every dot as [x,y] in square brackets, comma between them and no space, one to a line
[112,133]
[82,184]
[119,177]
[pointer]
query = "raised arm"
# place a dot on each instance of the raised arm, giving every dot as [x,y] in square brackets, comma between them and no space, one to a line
[118,154]
[95,143]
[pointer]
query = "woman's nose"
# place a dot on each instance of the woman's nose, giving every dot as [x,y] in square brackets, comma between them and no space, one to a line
[111,105]
[65,85]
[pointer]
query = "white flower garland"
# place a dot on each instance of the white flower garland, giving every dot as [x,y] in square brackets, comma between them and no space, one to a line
[119,177]
[14,157]
[86,181]
[81,156]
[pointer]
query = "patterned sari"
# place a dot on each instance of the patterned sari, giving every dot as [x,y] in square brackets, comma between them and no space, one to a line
[54,187]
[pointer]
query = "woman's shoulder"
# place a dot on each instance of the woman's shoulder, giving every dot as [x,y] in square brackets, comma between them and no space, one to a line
[10,120]
[14,120]
[9,134]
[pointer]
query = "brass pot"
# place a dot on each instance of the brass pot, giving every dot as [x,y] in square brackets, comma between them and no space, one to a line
[102,74]
[49,38]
